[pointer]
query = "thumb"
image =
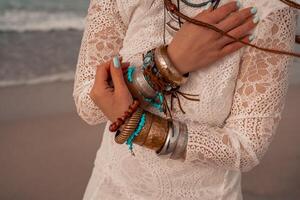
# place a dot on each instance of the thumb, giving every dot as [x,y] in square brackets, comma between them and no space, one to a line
[117,74]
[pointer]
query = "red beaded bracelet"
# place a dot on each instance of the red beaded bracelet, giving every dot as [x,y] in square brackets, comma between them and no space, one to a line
[121,120]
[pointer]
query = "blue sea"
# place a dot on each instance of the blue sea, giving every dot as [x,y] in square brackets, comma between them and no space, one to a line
[20,15]
[39,40]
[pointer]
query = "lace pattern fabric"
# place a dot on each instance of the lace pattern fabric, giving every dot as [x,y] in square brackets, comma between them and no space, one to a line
[241,100]
[102,39]
[257,105]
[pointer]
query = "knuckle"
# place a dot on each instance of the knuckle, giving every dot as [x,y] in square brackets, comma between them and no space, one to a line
[226,40]
[246,29]
[230,7]
[243,15]
[251,25]
[236,19]
[205,19]
[122,88]
[236,34]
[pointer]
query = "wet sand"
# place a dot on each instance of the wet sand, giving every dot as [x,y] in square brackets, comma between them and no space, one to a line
[47,151]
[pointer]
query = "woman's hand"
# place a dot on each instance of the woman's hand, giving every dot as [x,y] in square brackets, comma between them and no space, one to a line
[114,100]
[194,47]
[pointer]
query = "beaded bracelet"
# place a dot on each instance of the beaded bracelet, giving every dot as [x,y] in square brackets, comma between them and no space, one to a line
[121,120]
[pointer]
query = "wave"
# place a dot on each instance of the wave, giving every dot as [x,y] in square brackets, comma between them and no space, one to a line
[16,20]
[63,76]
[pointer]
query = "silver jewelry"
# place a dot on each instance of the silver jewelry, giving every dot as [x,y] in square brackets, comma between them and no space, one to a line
[174,136]
[196,5]
[176,142]
[163,152]
[142,84]
[171,141]
[181,145]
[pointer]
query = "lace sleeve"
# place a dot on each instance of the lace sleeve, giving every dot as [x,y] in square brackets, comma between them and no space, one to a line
[102,39]
[257,103]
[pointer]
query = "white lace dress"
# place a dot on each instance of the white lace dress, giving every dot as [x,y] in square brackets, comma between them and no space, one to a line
[241,100]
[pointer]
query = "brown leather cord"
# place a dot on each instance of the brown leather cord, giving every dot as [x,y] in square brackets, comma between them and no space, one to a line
[173,9]
[298,39]
[160,84]
[291,3]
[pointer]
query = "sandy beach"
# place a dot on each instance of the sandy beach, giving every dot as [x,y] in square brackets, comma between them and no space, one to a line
[47,151]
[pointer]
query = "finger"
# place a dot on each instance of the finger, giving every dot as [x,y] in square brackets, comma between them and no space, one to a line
[222,12]
[239,32]
[124,67]
[102,75]
[236,19]
[208,8]
[117,74]
[232,47]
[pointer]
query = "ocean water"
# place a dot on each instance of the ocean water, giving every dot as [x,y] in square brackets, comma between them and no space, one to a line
[22,15]
[39,40]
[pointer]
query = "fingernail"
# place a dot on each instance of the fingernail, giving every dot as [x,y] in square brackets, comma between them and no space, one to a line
[207,6]
[253,10]
[238,3]
[251,38]
[256,19]
[116,61]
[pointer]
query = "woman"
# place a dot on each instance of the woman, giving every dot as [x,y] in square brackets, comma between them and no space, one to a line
[241,92]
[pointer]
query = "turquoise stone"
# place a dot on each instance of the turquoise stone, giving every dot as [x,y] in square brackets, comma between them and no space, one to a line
[130,72]
[139,128]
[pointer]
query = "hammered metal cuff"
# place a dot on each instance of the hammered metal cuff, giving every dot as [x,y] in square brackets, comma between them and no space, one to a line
[157,134]
[166,67]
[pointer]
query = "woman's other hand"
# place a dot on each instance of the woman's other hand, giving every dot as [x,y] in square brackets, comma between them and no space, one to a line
[112,100]
[194,47]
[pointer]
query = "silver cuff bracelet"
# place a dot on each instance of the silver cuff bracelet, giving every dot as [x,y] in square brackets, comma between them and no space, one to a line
[176,141]
[142,84]
[181,144]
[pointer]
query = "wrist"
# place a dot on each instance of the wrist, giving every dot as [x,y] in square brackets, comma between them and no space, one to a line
[176,62]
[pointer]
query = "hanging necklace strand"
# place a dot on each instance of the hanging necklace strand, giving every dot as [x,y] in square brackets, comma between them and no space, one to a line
[173,8]
[197,5]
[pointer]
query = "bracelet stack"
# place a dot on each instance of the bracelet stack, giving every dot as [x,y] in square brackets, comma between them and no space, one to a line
[156,77]
[148,84]
[175,144]
[167,138]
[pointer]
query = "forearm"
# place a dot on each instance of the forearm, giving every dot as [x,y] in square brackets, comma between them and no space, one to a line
[102,39]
